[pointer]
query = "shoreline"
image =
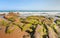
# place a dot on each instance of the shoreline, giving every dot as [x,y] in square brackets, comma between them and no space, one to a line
[31,12]
[25,14]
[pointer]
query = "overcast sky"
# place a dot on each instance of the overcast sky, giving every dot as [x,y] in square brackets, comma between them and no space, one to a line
[29,4]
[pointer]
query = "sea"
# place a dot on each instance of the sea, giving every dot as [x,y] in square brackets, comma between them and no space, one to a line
[32,12]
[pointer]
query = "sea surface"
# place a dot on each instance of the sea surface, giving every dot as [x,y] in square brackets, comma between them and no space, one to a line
[29,10]
[32,12]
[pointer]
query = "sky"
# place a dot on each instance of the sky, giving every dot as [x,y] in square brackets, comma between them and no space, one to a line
[29,4]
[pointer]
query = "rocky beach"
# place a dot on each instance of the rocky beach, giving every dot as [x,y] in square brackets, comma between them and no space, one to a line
[29,25]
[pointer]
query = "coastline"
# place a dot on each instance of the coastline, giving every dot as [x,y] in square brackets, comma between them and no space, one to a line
[37,13]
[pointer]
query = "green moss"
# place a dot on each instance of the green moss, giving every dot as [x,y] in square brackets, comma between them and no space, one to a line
[9,29]
[5,23]
[27,27]
[58,21]
[54,26]
[11,19]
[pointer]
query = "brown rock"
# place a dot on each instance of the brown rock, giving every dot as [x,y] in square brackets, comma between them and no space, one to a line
[17,33]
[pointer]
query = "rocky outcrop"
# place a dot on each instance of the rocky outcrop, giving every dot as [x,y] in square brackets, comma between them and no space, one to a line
[13,26]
